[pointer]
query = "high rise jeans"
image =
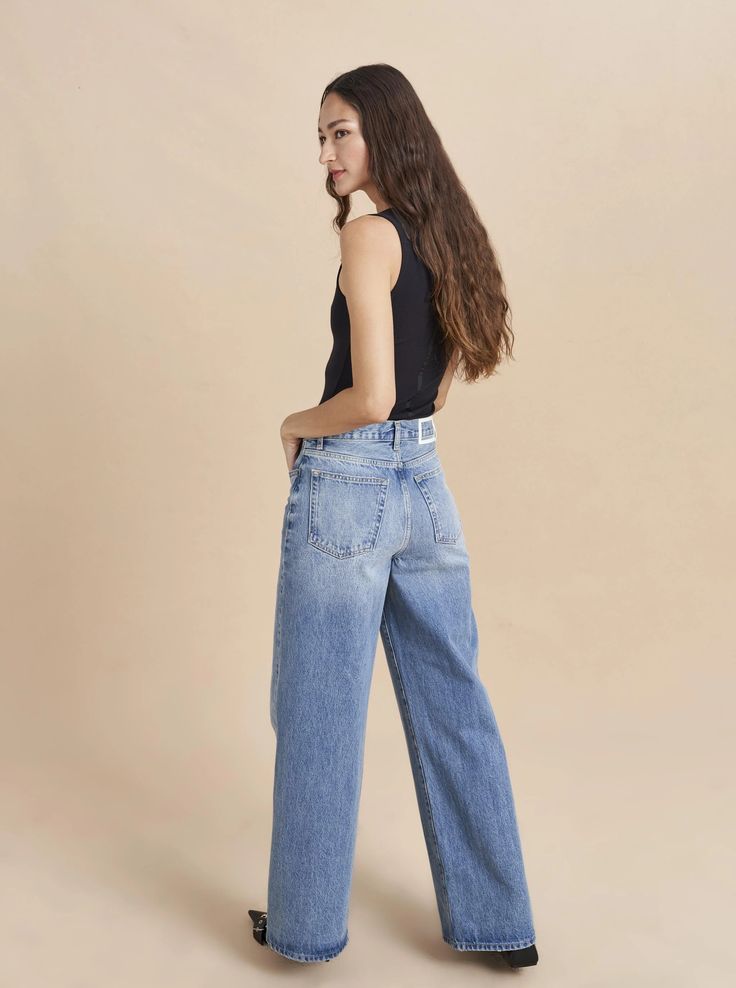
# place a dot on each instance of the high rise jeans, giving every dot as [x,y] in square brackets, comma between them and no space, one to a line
[372,542]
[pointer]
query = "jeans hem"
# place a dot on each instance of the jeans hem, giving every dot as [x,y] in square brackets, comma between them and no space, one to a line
[295,954]
[490,944]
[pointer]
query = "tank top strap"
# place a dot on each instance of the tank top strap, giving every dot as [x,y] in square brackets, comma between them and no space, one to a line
[393,217]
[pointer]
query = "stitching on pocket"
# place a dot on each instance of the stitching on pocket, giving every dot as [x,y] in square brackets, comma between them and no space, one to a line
[428,473]
[345,512]
[442,508]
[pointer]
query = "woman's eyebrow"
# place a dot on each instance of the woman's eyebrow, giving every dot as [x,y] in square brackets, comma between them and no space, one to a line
[334,124]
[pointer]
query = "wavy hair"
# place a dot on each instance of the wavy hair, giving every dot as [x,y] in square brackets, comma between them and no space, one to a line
[414,174]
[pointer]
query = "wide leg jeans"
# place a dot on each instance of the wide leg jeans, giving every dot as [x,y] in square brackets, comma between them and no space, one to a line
[372,544]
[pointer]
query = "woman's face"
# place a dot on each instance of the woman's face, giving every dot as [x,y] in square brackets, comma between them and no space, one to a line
[342,148]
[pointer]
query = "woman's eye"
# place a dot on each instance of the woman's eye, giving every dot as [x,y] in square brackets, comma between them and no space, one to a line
[321,140]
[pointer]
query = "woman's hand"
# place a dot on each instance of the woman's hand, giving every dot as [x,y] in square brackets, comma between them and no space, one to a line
[291,451]
[291,443]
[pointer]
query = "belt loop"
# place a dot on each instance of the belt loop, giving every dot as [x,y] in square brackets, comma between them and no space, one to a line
[319,442]
[397,435]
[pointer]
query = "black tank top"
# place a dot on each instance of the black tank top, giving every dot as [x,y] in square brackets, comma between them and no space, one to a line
[419,361]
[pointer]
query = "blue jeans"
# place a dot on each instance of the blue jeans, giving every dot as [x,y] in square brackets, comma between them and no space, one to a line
[372,542]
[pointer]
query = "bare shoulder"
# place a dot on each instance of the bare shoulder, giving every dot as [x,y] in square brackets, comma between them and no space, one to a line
[373,239]
[368,230]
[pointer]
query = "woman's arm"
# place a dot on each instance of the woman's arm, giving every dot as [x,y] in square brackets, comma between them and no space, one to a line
[367,248]
[348,409]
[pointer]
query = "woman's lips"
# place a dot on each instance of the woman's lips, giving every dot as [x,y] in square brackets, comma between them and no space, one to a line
[336,175]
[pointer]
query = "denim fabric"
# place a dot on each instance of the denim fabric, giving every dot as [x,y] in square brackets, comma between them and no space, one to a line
[372,542]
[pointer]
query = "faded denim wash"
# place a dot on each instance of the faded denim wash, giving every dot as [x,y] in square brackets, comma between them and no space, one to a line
[372,542]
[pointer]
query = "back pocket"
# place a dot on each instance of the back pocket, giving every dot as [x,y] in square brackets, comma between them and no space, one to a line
[345,512]
[441,504]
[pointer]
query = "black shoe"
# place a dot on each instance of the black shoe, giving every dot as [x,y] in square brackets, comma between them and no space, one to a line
[259,924]
[525,957]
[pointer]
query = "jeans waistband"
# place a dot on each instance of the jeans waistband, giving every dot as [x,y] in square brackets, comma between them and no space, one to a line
[398,432]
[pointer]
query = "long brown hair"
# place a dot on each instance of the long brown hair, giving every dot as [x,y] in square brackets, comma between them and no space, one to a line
[413,172]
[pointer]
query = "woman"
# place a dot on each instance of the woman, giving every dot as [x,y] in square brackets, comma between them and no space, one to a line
[372,543]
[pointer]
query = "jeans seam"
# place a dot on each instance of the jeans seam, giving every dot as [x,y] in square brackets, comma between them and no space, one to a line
[421,766]
[491,944]
[306,955]
[332,454]
[280,604]
[407,527]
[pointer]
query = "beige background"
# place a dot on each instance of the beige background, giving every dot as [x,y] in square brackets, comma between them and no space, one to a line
[167,268]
